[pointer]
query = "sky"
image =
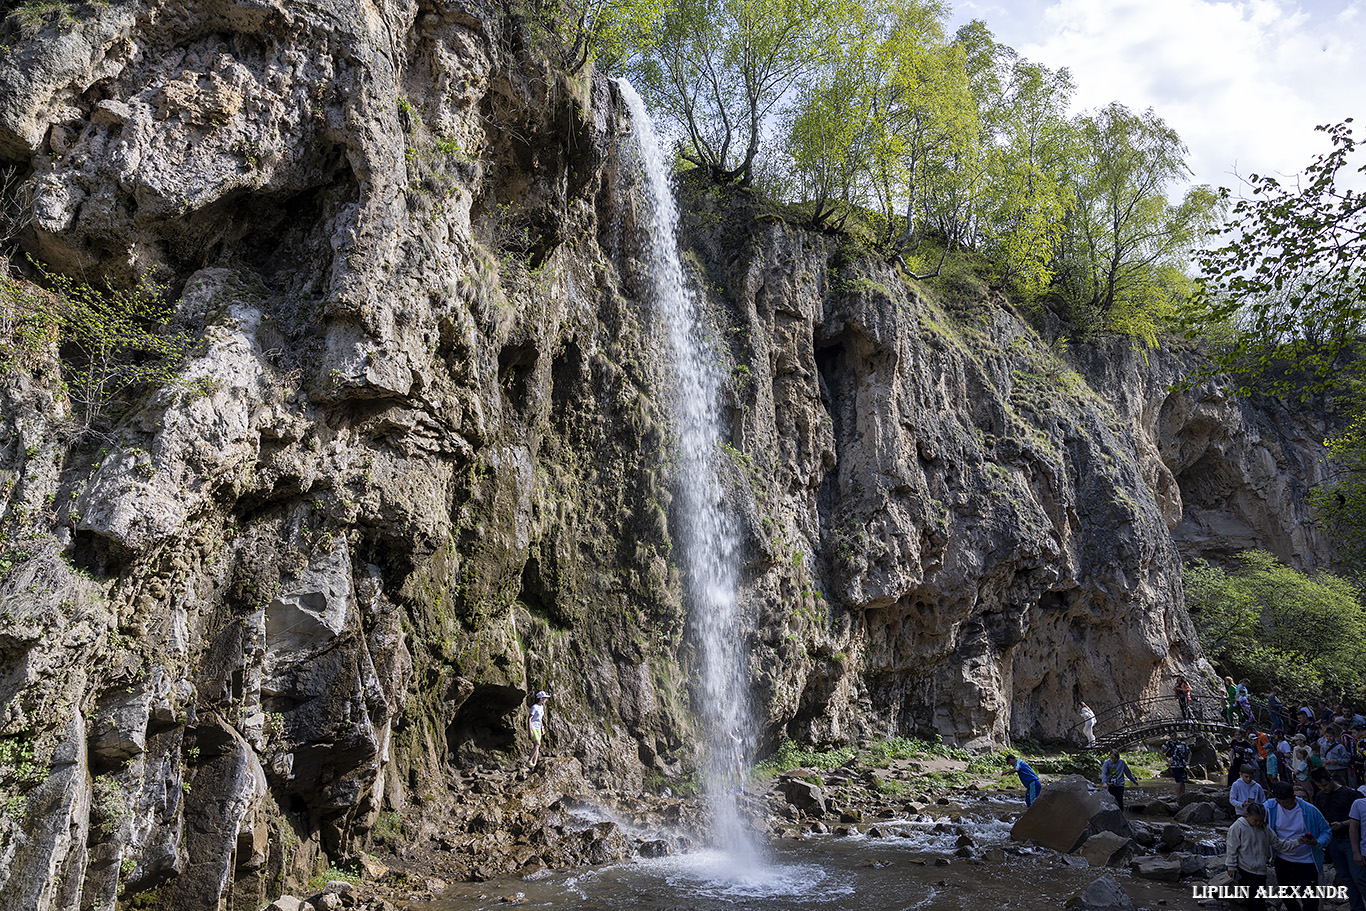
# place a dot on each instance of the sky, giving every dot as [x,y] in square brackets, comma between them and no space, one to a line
[1243,82]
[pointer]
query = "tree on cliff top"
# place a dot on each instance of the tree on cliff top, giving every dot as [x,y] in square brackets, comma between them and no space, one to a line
[1291,273]
[879,126]
[1124,245]
[717,69]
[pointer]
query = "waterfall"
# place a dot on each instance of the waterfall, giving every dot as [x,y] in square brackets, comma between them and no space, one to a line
[708,540]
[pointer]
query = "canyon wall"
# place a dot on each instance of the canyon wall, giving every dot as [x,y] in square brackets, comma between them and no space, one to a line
[420,461]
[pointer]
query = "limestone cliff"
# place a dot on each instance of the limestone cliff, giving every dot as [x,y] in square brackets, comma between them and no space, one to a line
[421,462]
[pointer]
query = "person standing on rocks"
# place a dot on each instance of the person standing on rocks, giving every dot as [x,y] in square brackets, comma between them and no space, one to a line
[1112,775]
[1358,755]
[535,724]
[1089,726]
[1284,754]
[1244,699]
[1264,746]
[1296,820]
[1231,694]
[1248,848]
[1028,778]
[1245,792]
[1178,754]
[1300,778]
[1335,802]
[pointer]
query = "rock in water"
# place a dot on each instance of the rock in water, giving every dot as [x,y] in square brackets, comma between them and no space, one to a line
[1196,813]
[1105,894]
[1066,813]
[1106,848]
[1163,869]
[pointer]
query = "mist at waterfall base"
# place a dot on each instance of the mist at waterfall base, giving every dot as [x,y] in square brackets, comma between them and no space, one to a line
[708,538]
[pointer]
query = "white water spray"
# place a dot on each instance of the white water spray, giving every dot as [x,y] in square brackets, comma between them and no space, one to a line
[708,537]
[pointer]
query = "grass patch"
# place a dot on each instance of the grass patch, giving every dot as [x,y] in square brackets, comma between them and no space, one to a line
[791,756]
[333,874]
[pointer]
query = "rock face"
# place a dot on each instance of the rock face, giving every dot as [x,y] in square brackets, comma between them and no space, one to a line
[419,463]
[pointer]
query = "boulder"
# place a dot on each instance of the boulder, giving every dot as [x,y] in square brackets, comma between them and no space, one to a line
[1173,836]
[289,903]
[805,796]
[1221,879]
[1197,813]
[1066,813]
[1204,755]
[1144,833]
[1201,795]
[1168,869]
[1104,894]
[1163,869]
[1106,848]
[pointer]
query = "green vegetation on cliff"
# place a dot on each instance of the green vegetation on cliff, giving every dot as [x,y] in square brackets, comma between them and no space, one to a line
[111,341]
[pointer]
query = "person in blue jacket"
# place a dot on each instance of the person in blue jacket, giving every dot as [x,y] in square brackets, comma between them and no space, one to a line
[1028,778]
[1291,818]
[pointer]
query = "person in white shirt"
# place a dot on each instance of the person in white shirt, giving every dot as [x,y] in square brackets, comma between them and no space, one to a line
[535,724]
[1299,821]
[1089,728]
[1284,764]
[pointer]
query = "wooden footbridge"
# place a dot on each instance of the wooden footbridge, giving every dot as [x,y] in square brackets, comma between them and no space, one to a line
[1123,725]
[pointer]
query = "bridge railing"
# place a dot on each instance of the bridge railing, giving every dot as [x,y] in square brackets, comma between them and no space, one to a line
[1156,710]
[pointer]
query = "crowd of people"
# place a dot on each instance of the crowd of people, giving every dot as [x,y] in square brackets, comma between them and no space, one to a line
[1293,786]
[1311,763]
[1296,784]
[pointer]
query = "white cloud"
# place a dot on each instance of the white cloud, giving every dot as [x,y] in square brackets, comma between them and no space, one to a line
[1243,82]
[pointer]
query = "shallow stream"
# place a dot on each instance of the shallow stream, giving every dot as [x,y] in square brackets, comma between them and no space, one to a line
[914,870]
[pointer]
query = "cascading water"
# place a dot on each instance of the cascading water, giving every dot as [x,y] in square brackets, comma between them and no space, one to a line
[709,542]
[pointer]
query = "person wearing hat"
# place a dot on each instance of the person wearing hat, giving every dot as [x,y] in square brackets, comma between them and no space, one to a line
[535,724]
